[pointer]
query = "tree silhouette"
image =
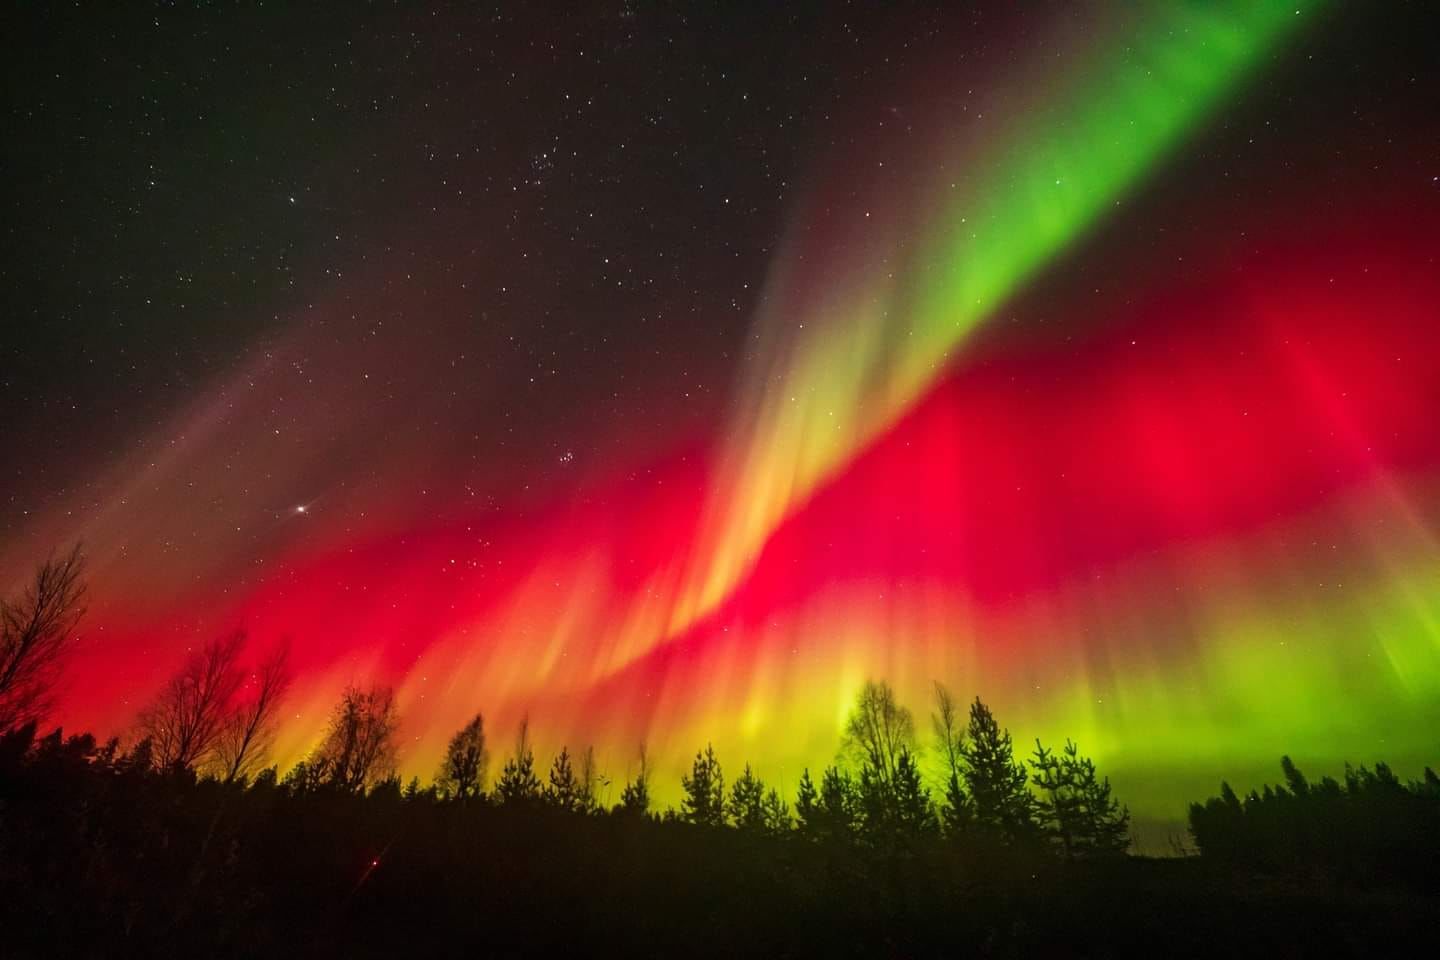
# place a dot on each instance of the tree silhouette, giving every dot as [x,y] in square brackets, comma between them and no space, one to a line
[518,784]
[914,813]
[807,804]
[878,730]
[590,782]
[1076,807]
[1366,828]
[186,720]
[635,796]
[898,809]
[704,800]
[248,731]
[995,783]
[564,791]
[775,814]
[747,802]
[462,772]
[957,813]
[306,776]
[830,813]
[359,748]
[36,632]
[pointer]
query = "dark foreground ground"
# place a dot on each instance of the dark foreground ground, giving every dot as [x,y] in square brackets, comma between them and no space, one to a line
[148,868]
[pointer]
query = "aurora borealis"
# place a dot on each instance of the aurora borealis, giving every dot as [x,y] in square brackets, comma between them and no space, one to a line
[1089,364]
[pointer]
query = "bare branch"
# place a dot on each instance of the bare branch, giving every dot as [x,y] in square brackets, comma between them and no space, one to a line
[188,717]
[249,729]
[35,634]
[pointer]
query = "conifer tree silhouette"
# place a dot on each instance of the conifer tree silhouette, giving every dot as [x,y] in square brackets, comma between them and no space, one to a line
[914,813]
[518,784]
[564,791]
[747,802]
[775,814]
[704,800]
[830,812]
[807,805]
[635,796]
[995,783]
[1076,807]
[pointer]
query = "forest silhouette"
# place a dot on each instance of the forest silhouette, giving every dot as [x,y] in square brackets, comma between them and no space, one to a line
[189,841]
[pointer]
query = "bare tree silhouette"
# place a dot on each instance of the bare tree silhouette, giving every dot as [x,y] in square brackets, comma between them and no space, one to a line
[359,748]
[879,730]
[956,811]
[249,729]
[36,631]
[187,718]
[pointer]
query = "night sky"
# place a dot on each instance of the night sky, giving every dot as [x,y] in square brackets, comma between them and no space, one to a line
[663,372]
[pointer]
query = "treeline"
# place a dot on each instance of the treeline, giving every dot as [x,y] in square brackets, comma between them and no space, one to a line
[191,836]
[216,717]
[1371,828]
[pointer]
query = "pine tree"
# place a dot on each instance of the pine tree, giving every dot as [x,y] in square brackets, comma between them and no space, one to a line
[1105,823]
[807,805]
[564,791]
[412,790]
[635,796]
[590,781]
[518,782]
[775,813]
[1076,808]
[747,802]
[914,815]
[704,800]
[995,782]
[839,805]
